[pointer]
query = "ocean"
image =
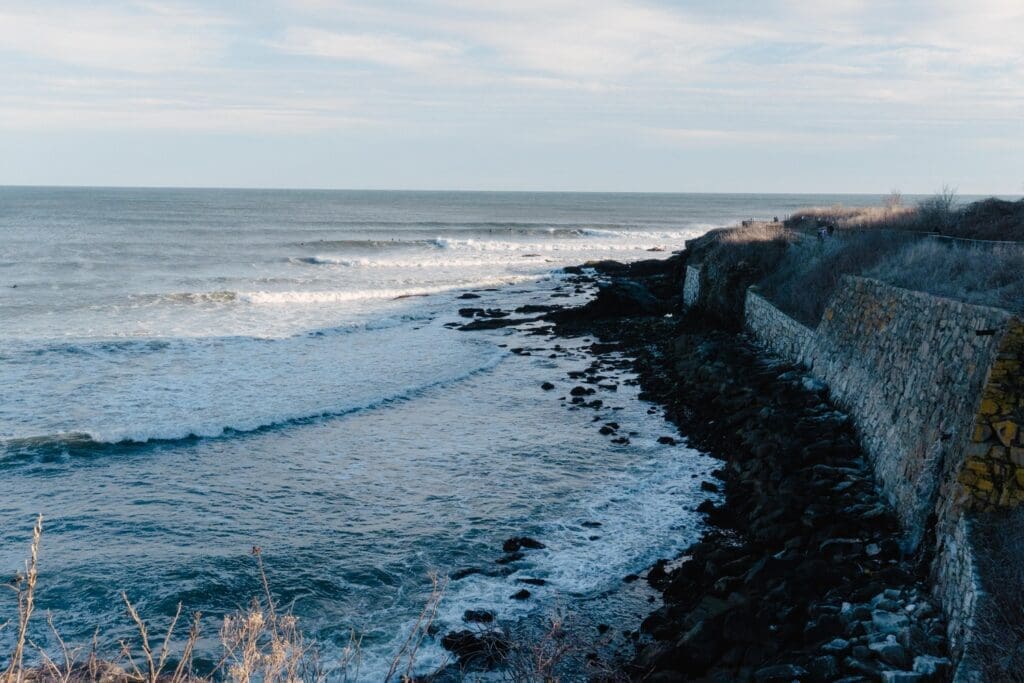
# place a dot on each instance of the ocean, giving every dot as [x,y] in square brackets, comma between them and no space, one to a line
[186,374]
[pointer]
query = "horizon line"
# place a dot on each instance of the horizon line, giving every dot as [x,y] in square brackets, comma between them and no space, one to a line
[481,191]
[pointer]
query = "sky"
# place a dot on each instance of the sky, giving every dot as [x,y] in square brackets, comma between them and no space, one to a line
[591,95]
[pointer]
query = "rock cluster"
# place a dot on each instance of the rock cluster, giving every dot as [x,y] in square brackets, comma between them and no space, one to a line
[801,577]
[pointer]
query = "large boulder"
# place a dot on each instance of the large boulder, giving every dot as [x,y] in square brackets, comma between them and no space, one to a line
[618,299]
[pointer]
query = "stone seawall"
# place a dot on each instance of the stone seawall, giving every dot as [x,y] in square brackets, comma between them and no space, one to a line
[935,389]
[775,330]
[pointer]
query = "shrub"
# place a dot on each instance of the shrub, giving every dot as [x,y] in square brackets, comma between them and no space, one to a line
[987,275]
[938,213]
[804,279]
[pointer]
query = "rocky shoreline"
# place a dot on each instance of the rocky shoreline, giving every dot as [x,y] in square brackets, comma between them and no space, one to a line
[801,575]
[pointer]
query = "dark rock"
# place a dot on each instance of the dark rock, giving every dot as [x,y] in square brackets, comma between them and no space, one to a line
[538,308]
[616,299]
[479,650]
[667,440]
[495,323]
[824,668]
[533,582]
[517,542]
[935,668]
[902,677]
[581,391]
[468,295]
[892,653]
[780,672]
[888,622]
[547,386]
[521,595]
[478,616]
[708,487]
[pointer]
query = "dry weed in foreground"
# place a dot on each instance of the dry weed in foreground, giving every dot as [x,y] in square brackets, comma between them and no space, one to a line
[25,588]
[260,643]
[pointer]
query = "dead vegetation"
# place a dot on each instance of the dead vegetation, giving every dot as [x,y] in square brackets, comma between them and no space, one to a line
[942,214]
[264,644]
[799,263]
[260,643]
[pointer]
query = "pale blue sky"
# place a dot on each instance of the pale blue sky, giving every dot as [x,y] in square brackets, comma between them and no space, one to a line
[711,95]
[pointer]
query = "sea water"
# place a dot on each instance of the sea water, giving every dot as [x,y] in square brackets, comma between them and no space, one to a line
[186,374]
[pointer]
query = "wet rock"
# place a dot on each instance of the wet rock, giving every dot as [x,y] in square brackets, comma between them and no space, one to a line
[537,308]
[495,323]
[477,650]
[482,313]
[892,653]
[667,440]
[477,616]
[581,391]
[888,622]
[708,487]
[606,430]
[616,299]
[521,595]
[901,677]
[547,386]
[533,582]
[468,295]
[518,542]
[837,646]
[934,668]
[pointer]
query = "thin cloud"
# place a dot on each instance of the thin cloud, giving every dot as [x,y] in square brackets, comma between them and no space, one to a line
[146,38]
[382,49]
[717,137]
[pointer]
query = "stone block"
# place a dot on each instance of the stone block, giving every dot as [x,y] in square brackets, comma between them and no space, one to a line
[1006,430]
[989,407]
[977,465]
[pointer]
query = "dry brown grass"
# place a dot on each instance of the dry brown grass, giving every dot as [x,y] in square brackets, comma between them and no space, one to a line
[752,233]
[986,275]
[263,644]
[804,279]
[890,216]
[260,643]
[559,651]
